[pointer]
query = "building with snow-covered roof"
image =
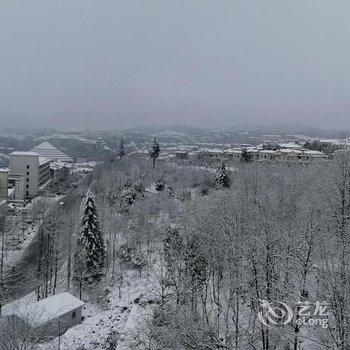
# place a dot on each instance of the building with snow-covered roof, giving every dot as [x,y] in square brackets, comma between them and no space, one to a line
[290,145]
[287,155]
[50,317]
[74,143]
[300,156]
[48,151]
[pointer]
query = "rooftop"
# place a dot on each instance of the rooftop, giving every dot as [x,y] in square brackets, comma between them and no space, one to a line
[267,151]
[44,310]
[315,153]
[288,150]
[24,153]
[46,150]
[289,145]
[45,145]
[43,160]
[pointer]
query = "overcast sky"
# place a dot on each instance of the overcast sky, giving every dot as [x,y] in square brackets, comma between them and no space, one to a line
[116,64]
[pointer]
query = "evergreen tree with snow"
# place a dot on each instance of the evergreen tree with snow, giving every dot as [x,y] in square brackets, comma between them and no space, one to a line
[154,152]
[221,179]
[121,151]
[89,259]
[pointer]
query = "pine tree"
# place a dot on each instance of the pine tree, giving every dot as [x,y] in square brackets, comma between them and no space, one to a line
[221,179]
[121,151]
[154,152]
[89,259]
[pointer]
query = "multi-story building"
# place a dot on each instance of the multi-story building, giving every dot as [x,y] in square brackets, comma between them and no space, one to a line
[295,156]
[11,187]
[44,173]
[16,187]
[36,171]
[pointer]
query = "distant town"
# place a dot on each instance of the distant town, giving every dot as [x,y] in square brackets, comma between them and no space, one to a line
[30,161]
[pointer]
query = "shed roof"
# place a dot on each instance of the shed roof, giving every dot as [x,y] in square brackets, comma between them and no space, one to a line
[47,309]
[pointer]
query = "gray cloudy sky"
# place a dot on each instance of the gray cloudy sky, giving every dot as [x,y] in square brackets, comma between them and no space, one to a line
[116,64]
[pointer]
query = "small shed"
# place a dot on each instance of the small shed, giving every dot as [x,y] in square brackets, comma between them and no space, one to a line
[52,316]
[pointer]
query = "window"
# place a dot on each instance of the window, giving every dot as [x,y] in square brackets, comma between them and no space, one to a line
[27,193]
[27,173]
[27,180]
[74,314]
[27,186]
[27,166]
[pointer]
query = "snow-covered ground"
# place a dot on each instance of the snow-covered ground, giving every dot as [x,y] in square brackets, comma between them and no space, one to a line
[151,189]
[119,323]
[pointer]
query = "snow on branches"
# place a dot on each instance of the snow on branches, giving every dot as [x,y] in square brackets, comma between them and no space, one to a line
[89,259]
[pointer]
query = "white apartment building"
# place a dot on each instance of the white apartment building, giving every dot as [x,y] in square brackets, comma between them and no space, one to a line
[11,186]
[44,173]
[16,187]
[36,171]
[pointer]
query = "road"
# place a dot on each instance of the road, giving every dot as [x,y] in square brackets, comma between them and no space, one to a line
[22,279]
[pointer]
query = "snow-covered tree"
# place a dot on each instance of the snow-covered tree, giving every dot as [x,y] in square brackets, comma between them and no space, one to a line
[173,246]
[246,156]
[221,179]
[121,151]
[130,194]
[159,185]
[154,152]
[89,259]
